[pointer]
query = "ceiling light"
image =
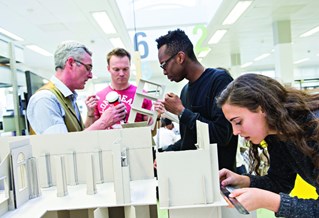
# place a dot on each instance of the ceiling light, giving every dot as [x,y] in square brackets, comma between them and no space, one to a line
[301,60]
[218,35]
[10,35]
[204,53]
[261,57]
[246,65]
[237,11]
[39,50]
[104,22]
[310,32]
[117,43]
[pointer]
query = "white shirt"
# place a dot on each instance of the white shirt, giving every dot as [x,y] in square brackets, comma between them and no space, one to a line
[45,113]
[165,137]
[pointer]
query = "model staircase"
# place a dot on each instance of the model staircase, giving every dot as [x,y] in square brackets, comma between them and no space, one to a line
[156,92]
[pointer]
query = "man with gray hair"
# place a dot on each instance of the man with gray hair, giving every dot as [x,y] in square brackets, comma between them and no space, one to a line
[53,108]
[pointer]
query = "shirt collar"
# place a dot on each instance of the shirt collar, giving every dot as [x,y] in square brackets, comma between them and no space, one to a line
[62,87]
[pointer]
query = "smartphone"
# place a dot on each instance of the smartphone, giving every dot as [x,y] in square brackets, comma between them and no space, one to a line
[240,208]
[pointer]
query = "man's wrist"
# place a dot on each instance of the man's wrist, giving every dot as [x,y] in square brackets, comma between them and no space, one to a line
[103,124]
[181,114]
[90,115]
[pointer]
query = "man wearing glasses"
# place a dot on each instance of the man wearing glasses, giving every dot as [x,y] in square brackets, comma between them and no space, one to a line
[53,108]
[197,101]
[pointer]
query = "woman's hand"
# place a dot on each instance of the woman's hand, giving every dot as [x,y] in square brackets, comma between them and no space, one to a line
[228,177]
[255,198]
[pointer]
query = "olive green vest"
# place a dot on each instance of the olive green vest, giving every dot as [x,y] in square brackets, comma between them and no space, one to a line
[70,118]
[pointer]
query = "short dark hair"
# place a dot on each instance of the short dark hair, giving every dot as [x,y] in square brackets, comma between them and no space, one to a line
[176,41]
[120,52]
[166,121]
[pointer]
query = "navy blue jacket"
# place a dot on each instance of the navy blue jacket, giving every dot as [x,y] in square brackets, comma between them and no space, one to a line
[199,100]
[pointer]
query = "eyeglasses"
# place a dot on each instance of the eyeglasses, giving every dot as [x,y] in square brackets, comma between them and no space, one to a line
[163,64]
[88,67]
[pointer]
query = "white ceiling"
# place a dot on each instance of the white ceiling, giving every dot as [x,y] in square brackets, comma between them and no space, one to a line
[46,23]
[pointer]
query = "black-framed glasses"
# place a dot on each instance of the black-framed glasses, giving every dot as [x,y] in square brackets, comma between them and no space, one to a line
[163,64]
[88,67]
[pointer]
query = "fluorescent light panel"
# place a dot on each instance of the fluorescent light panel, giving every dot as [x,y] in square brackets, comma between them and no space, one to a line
[301,60]
[204,53]
[310,32]
[218,35]
[104,22]
[237,11]
[10,35]
[117,42]
[261,57]
[39,50]
[246,64]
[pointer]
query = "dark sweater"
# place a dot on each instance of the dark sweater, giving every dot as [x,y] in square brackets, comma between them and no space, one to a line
[199,100]
[286,161]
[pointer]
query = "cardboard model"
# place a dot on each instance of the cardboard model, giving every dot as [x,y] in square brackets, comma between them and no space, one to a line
[189,182]
[78,171]
[108,174]
[4,184]
[156,91]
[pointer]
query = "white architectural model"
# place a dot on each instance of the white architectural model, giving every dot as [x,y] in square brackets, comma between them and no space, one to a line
[157,92]
[87,173]
[189,182]
[108,174]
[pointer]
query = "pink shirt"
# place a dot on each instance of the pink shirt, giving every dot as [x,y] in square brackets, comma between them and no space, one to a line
[126,97]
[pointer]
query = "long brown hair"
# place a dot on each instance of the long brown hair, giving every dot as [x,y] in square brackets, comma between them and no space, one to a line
[286,110]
